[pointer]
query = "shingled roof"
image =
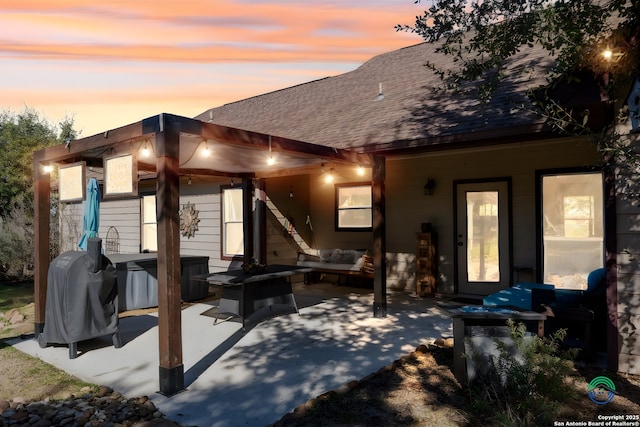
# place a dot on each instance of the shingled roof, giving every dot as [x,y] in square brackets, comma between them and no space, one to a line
[344,111]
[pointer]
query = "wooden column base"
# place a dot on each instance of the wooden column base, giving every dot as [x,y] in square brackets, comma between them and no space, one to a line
[171,380]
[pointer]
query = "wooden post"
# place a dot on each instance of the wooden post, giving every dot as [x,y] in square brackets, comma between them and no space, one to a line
[379,238]
[261,221]
[247,218]
[169,297]
[41,230]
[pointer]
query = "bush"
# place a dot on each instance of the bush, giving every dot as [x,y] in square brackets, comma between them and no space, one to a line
[526,382]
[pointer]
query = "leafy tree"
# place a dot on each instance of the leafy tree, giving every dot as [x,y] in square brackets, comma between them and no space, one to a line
[481,35]
[20,135]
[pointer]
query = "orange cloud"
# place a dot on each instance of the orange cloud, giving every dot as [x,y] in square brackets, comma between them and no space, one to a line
[194,31]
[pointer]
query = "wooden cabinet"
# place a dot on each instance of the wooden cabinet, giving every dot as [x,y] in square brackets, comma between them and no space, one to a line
[426,265]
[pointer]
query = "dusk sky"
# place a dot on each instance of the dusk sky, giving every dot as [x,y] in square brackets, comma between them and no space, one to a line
[108,63]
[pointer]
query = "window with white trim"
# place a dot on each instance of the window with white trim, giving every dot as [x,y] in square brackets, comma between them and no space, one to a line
[149,235]
[573,228]
[232,222]
[354,207]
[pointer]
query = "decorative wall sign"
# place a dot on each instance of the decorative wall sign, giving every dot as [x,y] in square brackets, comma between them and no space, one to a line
[120,175]
[72,182]
[189,220]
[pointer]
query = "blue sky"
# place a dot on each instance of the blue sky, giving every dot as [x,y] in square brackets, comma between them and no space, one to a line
[110,63]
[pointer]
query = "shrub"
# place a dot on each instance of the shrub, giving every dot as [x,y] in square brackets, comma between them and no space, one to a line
[526,382]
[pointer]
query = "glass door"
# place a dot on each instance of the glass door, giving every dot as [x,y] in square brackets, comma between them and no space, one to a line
[483,237]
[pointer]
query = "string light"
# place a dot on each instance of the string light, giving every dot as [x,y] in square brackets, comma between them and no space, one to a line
[329,178]
[145,151]
[205,151]
[270,161]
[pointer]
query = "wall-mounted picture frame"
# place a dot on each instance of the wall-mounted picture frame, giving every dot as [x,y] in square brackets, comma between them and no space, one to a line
[72,182]
[121,175]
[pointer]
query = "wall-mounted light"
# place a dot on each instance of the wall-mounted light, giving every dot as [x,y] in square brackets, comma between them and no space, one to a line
[189,181]
[231,184]
[609,54]
[291,193]
[429,186]
[360,170]
[47,169]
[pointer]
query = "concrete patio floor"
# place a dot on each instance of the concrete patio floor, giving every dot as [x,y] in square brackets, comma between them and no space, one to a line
[253,378]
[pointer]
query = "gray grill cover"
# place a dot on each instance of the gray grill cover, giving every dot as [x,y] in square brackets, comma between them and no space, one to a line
[82,298]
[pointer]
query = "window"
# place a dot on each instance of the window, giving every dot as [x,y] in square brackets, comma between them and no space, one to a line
[353,207]
[149,238]
[573,228]
[232,224]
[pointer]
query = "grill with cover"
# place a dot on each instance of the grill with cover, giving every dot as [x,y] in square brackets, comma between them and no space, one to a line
[82,299]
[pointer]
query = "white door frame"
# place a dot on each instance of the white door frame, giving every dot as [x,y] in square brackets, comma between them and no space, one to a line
[503,275]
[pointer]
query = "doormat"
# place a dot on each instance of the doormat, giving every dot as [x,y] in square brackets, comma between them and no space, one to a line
[462,300]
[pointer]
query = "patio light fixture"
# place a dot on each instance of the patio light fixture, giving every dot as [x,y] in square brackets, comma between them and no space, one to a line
[360,170]
[47,168]
[270,161]
[329,178]
[429,186]
[145,151]
[205,151]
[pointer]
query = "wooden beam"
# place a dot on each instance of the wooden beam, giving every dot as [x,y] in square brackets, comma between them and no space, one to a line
[245,138]
[261,221]
[169,296]
[379,238]
[41,231]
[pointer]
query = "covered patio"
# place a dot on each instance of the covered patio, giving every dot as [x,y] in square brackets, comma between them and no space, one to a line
[175,143]
[255,377]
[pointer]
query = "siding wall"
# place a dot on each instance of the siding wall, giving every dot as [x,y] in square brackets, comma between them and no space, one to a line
[407,207]
[313,204]
[628,268]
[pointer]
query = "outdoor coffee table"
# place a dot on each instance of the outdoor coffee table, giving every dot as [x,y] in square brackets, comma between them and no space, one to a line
[464,317]
[245,293]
